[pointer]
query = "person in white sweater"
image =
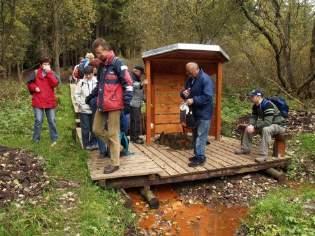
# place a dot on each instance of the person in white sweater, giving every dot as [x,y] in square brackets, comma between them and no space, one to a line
[83,89]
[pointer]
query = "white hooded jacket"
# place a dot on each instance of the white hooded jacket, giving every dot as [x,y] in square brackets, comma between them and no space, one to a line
[83,89]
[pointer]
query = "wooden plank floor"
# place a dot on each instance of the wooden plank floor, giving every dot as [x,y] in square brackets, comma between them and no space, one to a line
[134,165]
[156,164]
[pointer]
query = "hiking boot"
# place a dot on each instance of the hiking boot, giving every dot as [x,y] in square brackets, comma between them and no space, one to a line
[197,162]
[137,141]
[241,151]
[192,158]
[110,169]
[91,147]
[103,155]
[261,159]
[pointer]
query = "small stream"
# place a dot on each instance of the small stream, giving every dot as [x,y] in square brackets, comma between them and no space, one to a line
[176,218]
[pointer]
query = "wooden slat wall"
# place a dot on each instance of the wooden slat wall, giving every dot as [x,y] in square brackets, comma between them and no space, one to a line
[168,79]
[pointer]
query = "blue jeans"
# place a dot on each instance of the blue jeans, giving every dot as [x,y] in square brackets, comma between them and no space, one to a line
[101,146]
[200,137]
[86,123]
[39,117]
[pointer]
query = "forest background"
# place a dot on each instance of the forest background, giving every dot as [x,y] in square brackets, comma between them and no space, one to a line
[271,42]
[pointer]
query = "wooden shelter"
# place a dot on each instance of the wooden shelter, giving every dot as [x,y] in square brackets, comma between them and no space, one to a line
[166,76]
[154,164]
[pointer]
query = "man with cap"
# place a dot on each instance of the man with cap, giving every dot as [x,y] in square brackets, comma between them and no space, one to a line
[135,104]
[265,120]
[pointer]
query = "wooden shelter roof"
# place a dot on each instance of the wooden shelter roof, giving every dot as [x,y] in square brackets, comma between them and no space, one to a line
[188,50]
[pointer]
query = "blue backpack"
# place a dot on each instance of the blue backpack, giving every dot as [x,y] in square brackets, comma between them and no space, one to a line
[281,104]
[83,63]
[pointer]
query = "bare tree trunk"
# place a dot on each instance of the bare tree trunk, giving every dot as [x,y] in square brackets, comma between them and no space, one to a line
[286,38]
[64,59]
[56,43]
[288,66]
[97,30]
[19,67]
[9,69]
[312,57]
[311,76]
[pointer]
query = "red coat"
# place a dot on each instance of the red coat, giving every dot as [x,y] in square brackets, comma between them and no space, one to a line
[114,84]
[46,97]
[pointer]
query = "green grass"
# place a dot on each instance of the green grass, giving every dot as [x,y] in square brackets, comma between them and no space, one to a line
[302,150]
[232,109]
[94,212]
[307,143]
[281,213]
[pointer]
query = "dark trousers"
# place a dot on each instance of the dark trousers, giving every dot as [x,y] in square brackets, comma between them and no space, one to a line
[86,122]
[135,122]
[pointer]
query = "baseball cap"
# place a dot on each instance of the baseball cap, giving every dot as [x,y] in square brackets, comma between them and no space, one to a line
[255,92]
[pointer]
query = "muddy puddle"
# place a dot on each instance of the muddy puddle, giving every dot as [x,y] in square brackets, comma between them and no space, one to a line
[177,218]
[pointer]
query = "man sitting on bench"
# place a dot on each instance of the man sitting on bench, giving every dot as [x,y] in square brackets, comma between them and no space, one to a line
[265,120]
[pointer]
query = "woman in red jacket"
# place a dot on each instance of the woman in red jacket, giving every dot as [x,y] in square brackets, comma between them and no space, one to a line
[41,85]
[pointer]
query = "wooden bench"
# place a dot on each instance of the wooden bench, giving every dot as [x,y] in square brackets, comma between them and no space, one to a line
[279,144]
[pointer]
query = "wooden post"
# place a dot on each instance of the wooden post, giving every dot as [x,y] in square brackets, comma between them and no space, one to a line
[148,101]
[149,196]
[126,198]
[279,145]
[218,102]
[278,175]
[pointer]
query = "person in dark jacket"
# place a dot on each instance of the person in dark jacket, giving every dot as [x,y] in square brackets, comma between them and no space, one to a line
[135,105]
[41,85]
[114,92]
[266,120]
[198,93]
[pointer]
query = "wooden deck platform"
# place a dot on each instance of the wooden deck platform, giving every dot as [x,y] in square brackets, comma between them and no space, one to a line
[156,164]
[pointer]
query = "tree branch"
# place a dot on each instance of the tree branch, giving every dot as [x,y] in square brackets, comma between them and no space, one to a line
[259,27]
[269,38]
[310,78]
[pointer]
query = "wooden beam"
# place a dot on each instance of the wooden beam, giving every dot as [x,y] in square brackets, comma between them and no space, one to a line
[218,102]
[140,181]
[148,101]
[278,175]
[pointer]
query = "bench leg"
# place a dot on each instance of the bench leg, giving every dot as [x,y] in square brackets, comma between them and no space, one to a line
[279,148]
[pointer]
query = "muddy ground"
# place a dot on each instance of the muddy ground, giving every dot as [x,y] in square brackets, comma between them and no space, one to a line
[198,208]
[22,175]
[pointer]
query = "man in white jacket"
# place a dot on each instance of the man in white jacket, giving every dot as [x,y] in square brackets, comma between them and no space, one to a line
[83,89]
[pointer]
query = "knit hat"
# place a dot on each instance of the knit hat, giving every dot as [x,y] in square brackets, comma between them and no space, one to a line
[140,68]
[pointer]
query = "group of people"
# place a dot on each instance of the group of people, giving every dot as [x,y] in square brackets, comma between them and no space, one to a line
[266,118]
[110,104]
